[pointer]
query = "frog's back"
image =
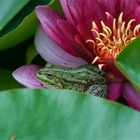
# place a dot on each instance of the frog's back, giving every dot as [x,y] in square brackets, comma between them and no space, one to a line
[82,74]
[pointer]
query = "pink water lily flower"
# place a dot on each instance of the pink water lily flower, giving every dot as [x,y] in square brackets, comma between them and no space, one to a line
[91,31]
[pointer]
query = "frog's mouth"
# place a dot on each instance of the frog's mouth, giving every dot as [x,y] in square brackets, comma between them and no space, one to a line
[52,85]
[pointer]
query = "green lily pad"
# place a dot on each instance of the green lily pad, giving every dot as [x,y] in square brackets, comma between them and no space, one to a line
[128,62]
[60,114]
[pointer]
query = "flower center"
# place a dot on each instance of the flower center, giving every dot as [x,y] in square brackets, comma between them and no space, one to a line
[112,40]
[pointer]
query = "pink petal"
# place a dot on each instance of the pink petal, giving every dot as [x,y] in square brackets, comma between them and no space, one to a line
[82,11]
[115,91]
[128,8]
[26,75]
[70,32]
[109,19]
[84,31]
[53,53]
[49,21]
[137,13]
[115,7]
[109,6]
[131,96]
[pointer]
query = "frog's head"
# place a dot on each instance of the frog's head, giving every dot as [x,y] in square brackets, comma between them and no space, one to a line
[49,78]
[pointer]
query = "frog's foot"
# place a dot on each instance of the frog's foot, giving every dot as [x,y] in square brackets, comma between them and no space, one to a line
[98,90]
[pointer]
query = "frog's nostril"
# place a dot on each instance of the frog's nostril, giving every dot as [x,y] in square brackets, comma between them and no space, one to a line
[41,72]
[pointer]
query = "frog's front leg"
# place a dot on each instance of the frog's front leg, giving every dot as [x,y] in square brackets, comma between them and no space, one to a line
[98,90]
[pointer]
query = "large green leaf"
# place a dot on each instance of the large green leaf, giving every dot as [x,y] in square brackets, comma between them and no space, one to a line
[21,33]
[55,114]
[8,9]
[25,11]
[7,81]
[128,62]
[21,27]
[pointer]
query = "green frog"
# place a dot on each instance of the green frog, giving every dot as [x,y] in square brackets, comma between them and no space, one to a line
[86,78]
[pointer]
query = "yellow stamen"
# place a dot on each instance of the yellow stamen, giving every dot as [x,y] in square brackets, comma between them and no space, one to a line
[100,66]
[111,41]
[95,59]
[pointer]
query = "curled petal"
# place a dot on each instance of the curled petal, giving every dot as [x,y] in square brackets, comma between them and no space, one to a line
[115,91]
[26,75]
[49,20]
[131,96]
[53,53]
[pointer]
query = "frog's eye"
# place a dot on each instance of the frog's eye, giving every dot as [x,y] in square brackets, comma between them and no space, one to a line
[49,74]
